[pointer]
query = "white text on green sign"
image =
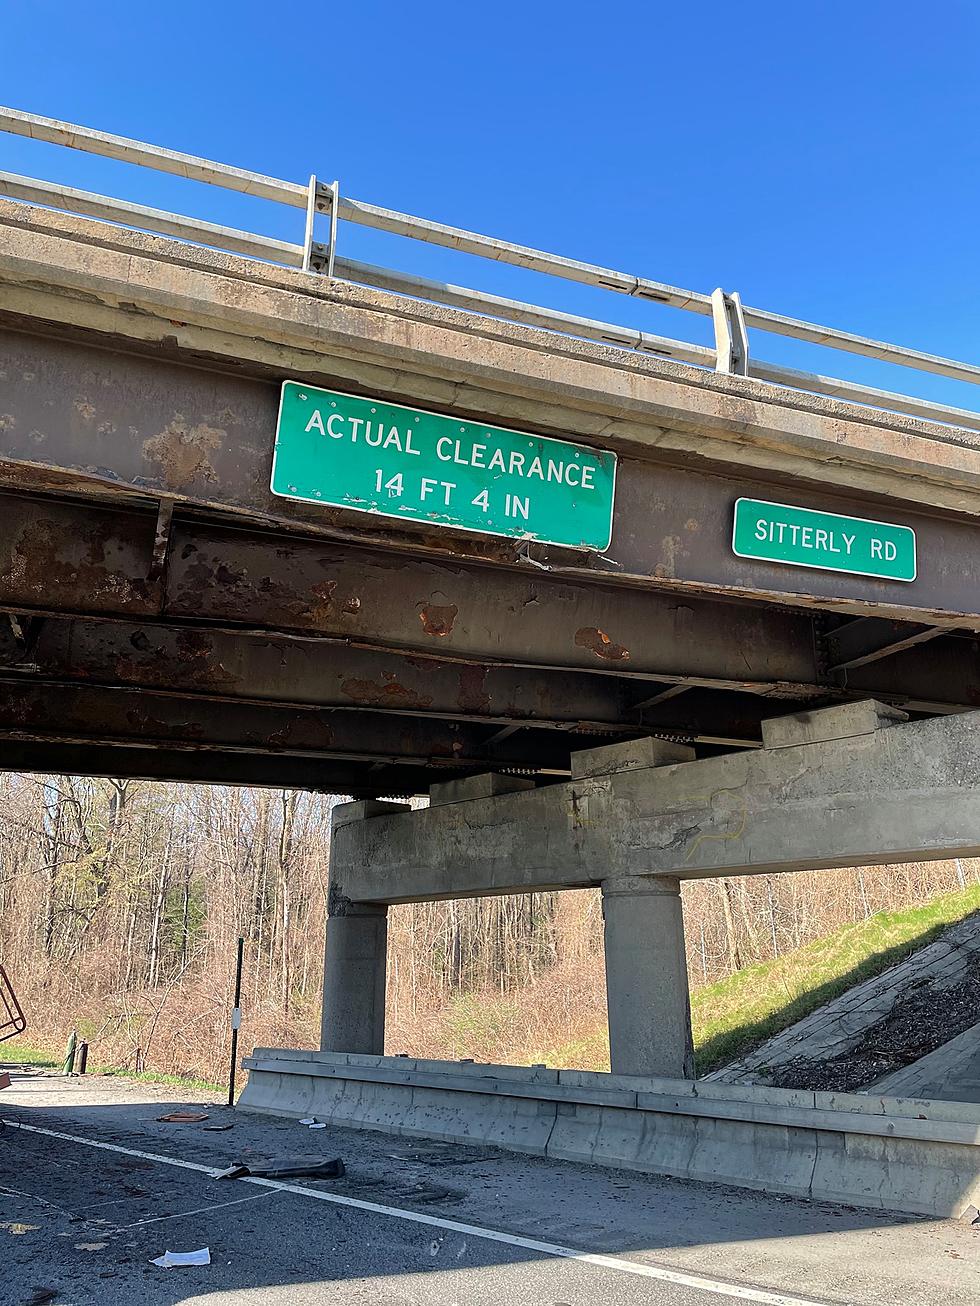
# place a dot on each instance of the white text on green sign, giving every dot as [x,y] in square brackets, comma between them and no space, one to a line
[369,456]
[804,537]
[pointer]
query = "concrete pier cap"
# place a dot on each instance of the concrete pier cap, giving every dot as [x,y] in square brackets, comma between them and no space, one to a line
[849,785]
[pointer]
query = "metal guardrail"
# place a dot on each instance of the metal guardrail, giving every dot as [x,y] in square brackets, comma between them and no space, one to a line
[731,319]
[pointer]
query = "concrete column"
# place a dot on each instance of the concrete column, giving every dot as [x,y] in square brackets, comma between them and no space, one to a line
[354,967]
[647,997]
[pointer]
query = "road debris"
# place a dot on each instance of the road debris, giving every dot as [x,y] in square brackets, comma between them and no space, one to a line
[170,1259]
[286,1167]
[183,1117]
[217,1129]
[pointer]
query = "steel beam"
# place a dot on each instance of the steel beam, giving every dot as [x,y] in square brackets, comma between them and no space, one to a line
[34,711]
[332,776]
[869,639]
[80,416]
[228,667]
[79,559]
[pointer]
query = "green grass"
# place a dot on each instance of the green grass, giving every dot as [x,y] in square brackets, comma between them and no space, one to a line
[21,1054]
[736,1014]
[741,1011]
[15,1052]
[157,1077]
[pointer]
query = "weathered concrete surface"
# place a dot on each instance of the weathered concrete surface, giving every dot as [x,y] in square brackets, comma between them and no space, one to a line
[647,999]
[894,1154]
[355,957]
[951,1073]
[908,792]
[296,1249]
[840,1025]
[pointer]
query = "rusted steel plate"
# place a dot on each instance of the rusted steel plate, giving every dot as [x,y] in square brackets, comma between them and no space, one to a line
[160,427]
[54,554]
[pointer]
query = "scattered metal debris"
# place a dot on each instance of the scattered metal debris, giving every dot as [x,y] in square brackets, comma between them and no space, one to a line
[286,1167]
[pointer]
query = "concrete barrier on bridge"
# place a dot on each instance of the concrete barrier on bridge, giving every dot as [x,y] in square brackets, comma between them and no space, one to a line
[892,1154]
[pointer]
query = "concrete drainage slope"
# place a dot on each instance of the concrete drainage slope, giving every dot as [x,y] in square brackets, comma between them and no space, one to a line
[911,1030]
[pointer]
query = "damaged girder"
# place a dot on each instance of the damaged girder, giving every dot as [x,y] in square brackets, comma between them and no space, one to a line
[75,558]
[329,776]
[224,667]
[35,711]
[316,673]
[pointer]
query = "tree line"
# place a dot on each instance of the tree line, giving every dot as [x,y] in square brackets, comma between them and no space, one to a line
[121,903]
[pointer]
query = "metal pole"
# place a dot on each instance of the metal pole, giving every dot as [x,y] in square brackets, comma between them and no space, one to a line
[236,1020]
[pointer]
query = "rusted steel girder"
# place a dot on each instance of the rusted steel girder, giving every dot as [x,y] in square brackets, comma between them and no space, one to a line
[308,673]
[78,416]
[69,557]
[81,559]
[34,711]
[330,776]
[225,668]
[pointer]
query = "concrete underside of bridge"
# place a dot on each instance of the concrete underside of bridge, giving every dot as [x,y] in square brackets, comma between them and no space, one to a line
[622,719]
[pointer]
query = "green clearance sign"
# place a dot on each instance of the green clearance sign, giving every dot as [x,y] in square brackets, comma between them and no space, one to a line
[414,465]
[801,537]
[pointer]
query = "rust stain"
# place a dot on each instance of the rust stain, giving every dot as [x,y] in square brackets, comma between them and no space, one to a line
[44,560]
[184,452]
[85,410]
[193,649]
[472,689]
[437,620]
[591,637]
[352,605]
[322,607]
[384,693]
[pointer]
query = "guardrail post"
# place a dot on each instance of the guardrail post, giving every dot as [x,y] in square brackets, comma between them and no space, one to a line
[731,337]
[327,199]
[310,215]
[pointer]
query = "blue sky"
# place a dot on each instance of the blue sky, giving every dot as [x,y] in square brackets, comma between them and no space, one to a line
[821,159]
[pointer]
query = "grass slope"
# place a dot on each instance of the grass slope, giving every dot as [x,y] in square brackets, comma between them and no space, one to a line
[735,1014]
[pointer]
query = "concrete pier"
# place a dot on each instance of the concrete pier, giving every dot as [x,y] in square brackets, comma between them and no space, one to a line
[646,978]
[354,979]
[355,960]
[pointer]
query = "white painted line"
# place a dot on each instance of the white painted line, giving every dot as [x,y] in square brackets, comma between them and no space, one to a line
[638,1268]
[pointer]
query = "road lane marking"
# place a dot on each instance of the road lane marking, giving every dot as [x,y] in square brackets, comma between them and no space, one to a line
[733,1290]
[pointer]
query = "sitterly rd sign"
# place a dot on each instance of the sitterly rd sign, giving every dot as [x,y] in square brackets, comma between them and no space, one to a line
[376,457]
[802,537]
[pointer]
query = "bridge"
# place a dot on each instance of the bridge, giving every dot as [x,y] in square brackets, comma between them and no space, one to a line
[767,663]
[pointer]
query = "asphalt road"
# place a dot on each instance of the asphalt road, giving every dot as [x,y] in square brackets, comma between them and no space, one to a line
[413,1221]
